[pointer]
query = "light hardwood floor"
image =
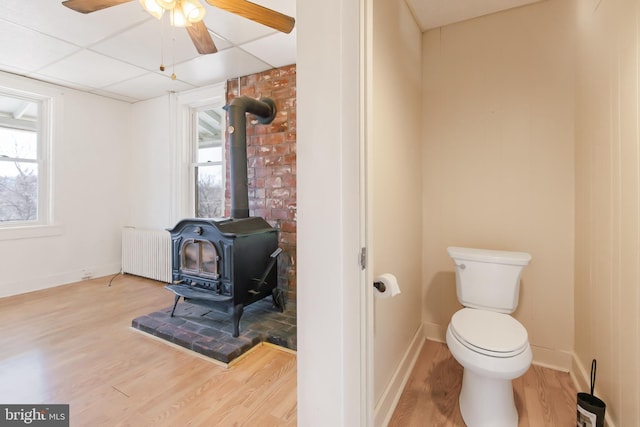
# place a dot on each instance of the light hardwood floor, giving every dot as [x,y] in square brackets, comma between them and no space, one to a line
[544,397]
[73,344]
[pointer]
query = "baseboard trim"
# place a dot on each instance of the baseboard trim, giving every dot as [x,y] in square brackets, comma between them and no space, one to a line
[435,332]
[57,279]
[387,404]
[553,359]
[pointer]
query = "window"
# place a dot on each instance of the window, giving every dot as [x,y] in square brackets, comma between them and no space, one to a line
[208,168]
[199,167]
[24,142]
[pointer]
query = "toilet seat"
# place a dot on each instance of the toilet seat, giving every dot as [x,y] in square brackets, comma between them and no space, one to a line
[489,333]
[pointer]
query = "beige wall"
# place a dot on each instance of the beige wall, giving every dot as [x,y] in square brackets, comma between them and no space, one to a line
[395,193]
[498,163]
[607,288]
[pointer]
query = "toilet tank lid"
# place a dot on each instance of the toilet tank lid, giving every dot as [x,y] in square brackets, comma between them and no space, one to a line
[489,255]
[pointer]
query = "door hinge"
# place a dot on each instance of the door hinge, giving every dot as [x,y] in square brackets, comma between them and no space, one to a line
[363,258]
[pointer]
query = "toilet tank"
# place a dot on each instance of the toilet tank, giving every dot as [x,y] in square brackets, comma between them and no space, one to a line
[488,279]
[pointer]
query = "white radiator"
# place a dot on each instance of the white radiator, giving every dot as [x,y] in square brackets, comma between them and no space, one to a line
[147,253]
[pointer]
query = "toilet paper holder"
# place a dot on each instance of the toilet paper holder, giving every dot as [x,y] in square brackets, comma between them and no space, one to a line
[387,286]
[379,286]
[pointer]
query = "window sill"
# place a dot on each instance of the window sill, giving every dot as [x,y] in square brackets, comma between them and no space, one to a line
[29,232]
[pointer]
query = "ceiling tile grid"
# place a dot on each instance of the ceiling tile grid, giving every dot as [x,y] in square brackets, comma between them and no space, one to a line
[117,52]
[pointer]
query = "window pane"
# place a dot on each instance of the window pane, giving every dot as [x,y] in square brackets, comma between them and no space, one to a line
[17,143]
[209,154]
[209,192]
[18,191]
[210,135]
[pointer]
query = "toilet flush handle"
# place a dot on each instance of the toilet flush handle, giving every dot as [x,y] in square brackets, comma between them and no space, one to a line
[461,266]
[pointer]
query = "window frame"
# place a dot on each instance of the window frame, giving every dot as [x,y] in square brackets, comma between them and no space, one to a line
[187,105]
[196,165]
[50,119]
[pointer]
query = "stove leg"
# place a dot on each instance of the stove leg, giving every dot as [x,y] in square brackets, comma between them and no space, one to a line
[278,299]
[175,304]
[238,309]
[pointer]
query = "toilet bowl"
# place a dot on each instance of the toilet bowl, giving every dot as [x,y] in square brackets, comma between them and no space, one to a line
[493,349]
[491,345]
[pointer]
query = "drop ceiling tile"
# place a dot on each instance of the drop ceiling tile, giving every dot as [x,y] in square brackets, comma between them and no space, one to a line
[238,29]
[60,82]
[51,17]
[91,69]
[288,7]
[29,50]
[114,95]
[152,43]
[276,50]
[147,86]
[209,69]
[234,28]
[148,45]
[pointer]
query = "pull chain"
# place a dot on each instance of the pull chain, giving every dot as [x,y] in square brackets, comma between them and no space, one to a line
[173,53]
[162,43]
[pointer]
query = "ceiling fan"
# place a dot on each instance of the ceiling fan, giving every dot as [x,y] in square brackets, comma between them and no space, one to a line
[195,27]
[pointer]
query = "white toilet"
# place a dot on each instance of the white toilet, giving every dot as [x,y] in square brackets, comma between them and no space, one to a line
[492,346]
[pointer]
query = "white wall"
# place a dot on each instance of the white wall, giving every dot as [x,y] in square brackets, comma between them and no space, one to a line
[607,268]
[395,189]
[498,162]
[90,178]
[330,294]
[152,152]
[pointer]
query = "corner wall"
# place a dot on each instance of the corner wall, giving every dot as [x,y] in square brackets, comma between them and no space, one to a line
[498,163]
[607,269]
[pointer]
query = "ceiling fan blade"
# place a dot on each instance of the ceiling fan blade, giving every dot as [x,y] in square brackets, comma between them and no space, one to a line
[257,13]
[88,6]
[201,38]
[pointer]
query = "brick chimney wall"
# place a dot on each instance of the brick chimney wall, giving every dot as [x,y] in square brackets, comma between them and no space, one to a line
[271,162]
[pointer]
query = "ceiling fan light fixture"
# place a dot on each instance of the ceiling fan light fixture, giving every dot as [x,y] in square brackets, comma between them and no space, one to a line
[166,4]
[193,10]
[153,8]
[178,18]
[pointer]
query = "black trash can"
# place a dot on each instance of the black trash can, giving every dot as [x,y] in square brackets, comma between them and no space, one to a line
[590,411]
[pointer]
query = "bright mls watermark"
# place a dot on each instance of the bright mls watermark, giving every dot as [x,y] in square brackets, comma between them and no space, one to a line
[34,415]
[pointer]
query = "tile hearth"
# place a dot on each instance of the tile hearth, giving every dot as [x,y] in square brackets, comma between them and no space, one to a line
[208,331]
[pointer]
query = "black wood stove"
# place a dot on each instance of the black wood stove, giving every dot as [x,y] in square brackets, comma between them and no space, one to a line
[230,262]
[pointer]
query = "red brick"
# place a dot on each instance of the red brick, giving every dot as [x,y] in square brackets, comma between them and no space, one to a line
[262,172]
[279,193]
[273,182]
[288,226]
[283,170]
[289,181]
[274,138]
[281,149]
[274,204]
[280,213]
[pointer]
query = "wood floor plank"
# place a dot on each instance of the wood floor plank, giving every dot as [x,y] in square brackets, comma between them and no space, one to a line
[544,397]
[73,344]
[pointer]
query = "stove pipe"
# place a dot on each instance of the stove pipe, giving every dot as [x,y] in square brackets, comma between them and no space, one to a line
[265,111]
